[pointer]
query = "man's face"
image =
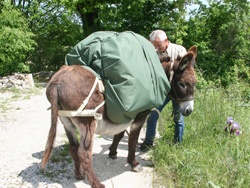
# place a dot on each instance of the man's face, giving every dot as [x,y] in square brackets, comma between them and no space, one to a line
[159,45]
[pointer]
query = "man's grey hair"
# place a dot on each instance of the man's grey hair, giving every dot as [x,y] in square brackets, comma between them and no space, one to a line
[158,34]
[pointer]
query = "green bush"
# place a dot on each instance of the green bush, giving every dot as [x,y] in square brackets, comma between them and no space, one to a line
[15,41]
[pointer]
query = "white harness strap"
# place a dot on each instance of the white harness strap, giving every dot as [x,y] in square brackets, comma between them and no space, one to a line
[171,72]
[171,68]
[85,102]
[80,112]
[84,113]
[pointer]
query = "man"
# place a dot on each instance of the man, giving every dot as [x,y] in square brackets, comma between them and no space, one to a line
[164,47]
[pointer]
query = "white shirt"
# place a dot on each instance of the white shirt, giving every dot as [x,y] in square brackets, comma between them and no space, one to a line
[174,50]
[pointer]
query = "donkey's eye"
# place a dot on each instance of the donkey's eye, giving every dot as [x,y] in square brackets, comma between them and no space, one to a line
[182,85]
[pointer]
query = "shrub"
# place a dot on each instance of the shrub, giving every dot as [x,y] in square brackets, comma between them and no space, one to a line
[16,41]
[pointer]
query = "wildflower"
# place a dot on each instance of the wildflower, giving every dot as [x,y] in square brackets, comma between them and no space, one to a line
[238,132]
[230,120]
[233,127]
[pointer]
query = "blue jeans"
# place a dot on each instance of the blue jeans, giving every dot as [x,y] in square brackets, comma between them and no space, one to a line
[152,122]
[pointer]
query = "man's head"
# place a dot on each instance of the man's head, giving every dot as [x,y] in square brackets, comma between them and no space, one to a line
[159,39]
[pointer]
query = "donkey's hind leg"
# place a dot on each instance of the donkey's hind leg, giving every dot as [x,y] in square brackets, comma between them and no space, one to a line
[87,128]
[70,130]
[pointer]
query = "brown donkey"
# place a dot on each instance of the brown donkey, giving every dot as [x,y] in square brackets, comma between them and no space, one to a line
[71,85]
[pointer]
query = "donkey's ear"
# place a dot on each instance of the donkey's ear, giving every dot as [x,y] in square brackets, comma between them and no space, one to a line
[186,60]
[194,50]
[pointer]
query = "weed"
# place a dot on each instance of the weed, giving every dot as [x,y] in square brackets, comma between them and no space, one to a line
[207,157]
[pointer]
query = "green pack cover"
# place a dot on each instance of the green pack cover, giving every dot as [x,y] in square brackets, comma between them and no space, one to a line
[127,63]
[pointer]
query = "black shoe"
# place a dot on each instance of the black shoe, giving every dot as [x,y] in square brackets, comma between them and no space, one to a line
[145,147]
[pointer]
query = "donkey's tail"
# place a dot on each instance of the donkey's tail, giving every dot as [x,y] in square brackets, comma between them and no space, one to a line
[52,95]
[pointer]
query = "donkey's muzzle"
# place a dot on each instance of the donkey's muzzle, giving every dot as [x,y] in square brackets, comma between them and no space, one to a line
[186,107]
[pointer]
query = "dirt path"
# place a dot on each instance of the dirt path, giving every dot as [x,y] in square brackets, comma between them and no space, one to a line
[23,134]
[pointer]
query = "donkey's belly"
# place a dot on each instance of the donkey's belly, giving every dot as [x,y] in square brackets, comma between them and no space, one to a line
[108,128]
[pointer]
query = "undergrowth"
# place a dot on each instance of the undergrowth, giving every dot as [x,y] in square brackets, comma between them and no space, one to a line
[208,157]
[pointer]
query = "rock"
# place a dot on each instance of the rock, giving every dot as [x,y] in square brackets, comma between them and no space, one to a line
[22,81]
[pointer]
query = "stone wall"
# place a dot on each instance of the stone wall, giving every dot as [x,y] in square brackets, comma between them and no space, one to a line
[25,81]
[20,81]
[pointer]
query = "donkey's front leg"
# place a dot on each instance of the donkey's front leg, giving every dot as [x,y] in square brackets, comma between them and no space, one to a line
[133,140]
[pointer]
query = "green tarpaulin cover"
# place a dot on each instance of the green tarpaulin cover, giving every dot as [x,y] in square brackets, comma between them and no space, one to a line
[127,63]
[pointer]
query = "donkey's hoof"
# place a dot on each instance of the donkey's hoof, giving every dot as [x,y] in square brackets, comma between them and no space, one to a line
[137,168]
[80,177]
[113,156]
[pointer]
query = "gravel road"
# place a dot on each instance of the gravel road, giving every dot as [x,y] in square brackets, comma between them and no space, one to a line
[23,133]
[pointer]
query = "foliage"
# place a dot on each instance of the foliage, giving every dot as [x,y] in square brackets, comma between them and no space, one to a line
[208,157]
[57,28]
[56,32]
[41,32]
[173,20]
[139,16]
[16,41]
[220,29]
[221,32]
[53,45]
[88,13]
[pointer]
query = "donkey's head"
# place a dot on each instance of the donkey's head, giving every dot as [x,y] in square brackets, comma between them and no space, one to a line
[182,79]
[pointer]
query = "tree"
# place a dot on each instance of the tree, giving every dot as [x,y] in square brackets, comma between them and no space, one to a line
[56,23]
[88,12]
[56,31]
[221,31]
[173,20]
[137,16]
[117,15]
[16,41]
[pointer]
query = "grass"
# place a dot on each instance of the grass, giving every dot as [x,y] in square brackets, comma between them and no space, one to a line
[207,157]
[15,95]
[62,153]
[58,162]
